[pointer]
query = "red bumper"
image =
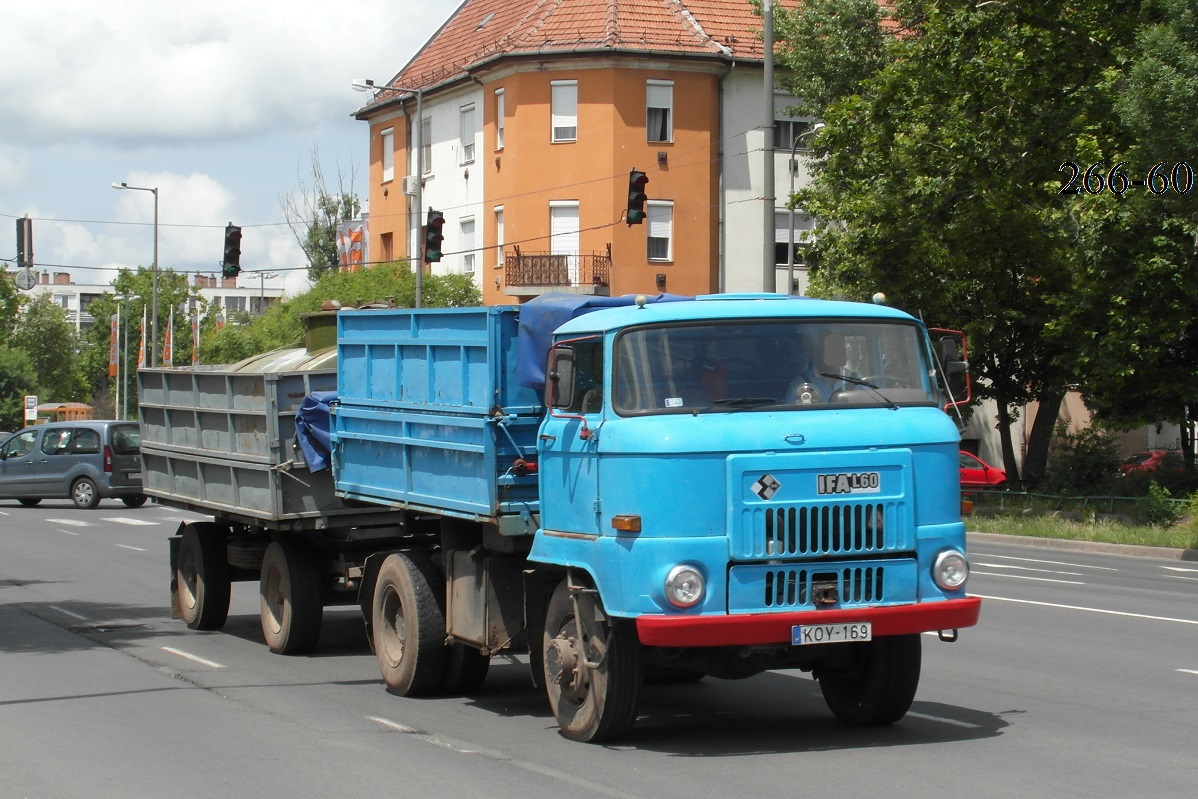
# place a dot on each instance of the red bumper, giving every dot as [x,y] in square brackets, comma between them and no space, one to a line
[775,628]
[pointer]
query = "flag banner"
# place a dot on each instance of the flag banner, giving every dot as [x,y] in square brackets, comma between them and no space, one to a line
[168,345]
[141,351]
[195,339]
[113,344]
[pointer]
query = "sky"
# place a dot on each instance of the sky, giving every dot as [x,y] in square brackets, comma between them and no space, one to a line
[221,105]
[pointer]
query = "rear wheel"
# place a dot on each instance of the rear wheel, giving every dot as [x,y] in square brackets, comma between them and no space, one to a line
[202,576]
[84,493]
[135,501]
[592,666]
[291,595]
[409,625]
[879,686]
[465,670]
[29,502]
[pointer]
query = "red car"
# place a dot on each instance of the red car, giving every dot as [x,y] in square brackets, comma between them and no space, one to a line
[1153,461]
[977,475]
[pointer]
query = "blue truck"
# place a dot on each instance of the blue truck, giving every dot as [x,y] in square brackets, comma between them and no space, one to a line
[627,489]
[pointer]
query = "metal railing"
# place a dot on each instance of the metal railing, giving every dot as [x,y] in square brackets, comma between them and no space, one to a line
[589,272]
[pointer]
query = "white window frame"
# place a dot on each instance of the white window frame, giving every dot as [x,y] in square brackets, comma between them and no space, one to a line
[499,117]
[659,96]
[804,234]
[499,237]
[659,220]
[426,146]
[563,111]
[387,139]
[466,133]
[467,229]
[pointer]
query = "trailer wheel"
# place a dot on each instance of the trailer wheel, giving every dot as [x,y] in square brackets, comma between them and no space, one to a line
[592,667]
[291,599]
[881,685]
[465,670]
[202,576]
[409,625]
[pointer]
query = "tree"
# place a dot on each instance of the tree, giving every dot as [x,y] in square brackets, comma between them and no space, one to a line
[48,338]
[17,379]
[313,212]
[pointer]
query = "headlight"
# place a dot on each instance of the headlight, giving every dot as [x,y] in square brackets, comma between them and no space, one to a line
[951,569]
[684,586]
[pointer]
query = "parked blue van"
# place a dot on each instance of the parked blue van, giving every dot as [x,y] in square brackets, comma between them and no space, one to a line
[82,461]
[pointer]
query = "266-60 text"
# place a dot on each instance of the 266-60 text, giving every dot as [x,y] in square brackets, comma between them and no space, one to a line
[1096,178]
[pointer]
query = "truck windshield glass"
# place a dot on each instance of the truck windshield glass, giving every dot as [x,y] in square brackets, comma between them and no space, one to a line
[770,365]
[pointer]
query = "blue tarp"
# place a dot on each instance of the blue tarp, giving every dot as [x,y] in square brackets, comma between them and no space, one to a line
[540,316]
[312,428]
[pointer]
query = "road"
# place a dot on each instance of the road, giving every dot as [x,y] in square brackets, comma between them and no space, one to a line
[1081,680]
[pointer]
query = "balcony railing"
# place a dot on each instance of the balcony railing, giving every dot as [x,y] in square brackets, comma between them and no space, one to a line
[538,273]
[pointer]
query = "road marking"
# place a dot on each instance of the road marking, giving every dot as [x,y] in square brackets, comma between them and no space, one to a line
[1028,577]
[70,532]
[70,522]
[943,720]
[192,658]
[1026,568]
[126,546]
[1188,671]
[130,521]
[1048,562]
[1088,610]
[66,612]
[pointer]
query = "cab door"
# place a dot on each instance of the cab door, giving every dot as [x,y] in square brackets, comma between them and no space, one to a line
[17,473]
[569,439]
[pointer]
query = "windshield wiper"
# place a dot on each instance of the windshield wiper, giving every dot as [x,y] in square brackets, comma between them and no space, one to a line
[857,381]
[742,403]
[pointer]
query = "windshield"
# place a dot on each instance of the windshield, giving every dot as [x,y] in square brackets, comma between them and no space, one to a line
[768,364]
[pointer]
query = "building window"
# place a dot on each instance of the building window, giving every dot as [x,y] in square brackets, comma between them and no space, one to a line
[466,133]
[386,244]
[565,110]
[660,230]
[564,241]
[499,113]
[659,111]
[804,225]
[388,145]
[468,254]
[499,237]
[787,129]
[426,146]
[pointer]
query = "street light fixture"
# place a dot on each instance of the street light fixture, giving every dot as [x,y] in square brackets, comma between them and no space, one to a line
[122,380]
[366,84]
[262,276]
[790,249]
[154,302]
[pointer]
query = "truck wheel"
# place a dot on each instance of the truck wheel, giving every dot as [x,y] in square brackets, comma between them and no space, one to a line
[84,493]
[880,687]
[409,625]
[465,670]
[291,599]
[202,576]
[592,676]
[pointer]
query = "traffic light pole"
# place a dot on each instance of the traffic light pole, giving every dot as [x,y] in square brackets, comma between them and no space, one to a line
[418,146]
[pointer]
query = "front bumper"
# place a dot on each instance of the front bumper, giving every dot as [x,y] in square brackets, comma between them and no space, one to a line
[775,628]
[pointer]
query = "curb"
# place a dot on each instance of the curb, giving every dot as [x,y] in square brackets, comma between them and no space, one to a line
[1127,550]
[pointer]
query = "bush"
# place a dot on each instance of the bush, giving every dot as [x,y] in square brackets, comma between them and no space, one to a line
[1083,463]
[1159,510]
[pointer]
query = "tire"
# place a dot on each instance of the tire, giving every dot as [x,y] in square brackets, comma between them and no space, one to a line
[409,625]
[290,599]
[465,670]
[29,502]
[597,704]
[135,501]
[202,576]
[84,493]
[247,552]
[880,687]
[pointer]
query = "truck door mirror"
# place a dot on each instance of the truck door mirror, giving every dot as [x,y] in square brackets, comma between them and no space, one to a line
[954,365]
[560,376]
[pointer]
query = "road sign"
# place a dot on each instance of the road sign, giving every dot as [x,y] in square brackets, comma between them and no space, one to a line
[31,407]
[26,280]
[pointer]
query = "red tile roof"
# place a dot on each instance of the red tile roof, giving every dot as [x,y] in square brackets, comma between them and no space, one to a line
[481,30]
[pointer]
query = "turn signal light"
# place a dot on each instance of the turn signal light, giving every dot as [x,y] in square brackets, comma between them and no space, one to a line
[627,523]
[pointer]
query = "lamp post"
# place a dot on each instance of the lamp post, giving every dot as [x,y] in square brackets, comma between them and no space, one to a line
[790,250]
[123,373]
[153,359]
[366,84]
[262,276]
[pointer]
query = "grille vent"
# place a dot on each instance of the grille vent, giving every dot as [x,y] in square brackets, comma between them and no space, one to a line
[792,587]
[824,529]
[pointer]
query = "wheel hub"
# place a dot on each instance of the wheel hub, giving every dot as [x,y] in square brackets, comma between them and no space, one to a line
[561,661]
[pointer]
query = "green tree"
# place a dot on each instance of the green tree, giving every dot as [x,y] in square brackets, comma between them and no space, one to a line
[313,211]
[17,378]
[44,333]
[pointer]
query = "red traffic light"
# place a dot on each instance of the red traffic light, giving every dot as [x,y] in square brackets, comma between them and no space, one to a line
[636,197]
[433,236]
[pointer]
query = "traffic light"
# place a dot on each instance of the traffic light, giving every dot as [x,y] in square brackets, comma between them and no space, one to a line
[636,197]
[25,242]
[433,236]
[231,265]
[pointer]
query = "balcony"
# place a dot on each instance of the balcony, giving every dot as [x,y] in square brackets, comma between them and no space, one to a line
[531,274]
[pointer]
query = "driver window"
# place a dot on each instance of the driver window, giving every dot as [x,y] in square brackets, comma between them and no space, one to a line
[21,444]
[588,381]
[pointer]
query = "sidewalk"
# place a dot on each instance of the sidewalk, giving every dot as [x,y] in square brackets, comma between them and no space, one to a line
[1127,550]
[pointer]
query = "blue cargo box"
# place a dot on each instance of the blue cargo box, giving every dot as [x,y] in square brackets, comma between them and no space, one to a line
[430,415]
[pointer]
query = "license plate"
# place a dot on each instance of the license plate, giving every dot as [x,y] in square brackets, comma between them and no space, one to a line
[802,634]
[133,475]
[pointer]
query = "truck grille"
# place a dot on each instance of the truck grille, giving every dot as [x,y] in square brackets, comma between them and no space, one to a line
[795,587]
[824,529]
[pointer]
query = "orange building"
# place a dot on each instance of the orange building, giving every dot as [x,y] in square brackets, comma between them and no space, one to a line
[532,116]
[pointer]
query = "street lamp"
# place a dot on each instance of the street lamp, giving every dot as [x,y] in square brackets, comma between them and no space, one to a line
[154,302]
[122,387]
[262,276]
[366,84]
[790,249]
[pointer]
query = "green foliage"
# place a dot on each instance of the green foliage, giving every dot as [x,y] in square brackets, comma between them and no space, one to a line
[1159,510]
[48,338]
[1083,464]
[18,377]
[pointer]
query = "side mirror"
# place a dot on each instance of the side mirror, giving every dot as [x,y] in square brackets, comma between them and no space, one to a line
[560,376]
[953,360]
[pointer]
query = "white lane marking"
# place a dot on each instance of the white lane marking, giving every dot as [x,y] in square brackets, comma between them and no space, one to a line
[943,720]
[1028,577]
[1181,577]
[70,532]
[1088,610]
[126,546]
[66,612]
[1178,569]
[395,725]
[1188,671]
[70,522]
[1046,562]
[131,521]
[1026,569]
[192,658]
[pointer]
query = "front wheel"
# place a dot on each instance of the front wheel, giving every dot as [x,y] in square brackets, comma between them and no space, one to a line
[409,625]
[29,502]
[879,684]
[202,582]
[84,493]
[592,666]
[291,606]
[135,501]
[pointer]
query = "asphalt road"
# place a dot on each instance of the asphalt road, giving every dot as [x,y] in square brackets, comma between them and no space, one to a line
[1080,680]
